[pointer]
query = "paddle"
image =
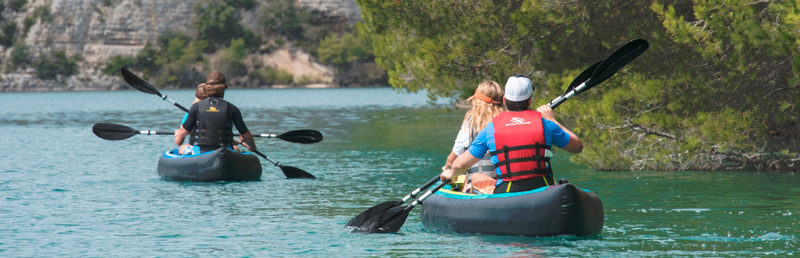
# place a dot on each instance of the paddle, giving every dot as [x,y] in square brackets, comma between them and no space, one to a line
[362,217]
[289,171]
[391,220]
[144,86]
[394,215]
[117,132]
[602,70]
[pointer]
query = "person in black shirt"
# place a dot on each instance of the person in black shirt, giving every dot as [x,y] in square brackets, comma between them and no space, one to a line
[210,122]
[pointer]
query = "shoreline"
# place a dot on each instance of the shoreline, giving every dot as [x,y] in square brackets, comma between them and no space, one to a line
[281,86]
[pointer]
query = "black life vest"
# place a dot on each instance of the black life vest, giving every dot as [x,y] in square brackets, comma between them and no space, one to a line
[213,127]
[520,146]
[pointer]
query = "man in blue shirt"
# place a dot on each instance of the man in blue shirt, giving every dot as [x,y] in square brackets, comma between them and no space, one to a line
[519,141]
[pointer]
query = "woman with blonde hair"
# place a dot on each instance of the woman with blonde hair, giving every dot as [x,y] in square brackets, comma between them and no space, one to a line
[486,103]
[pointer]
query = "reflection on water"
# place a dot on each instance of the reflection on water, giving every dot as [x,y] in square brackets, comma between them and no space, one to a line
[65,192]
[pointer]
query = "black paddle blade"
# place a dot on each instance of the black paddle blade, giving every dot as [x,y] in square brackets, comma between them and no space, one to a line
[389,221]
[302,136]
[113,132]
[584,76]
[364,216]
[138,83]
[617,60]
[293,172]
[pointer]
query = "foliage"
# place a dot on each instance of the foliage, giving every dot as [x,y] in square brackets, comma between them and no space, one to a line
[717,89]
[271,76]
[118,62]
[342,50]
[218,22]
[50,66]
[42,13]
[245,4]
[230,60]
[17,5]
[8,30]
[27,23]
[170,62]
[19,56]
[283,18]
[174,61]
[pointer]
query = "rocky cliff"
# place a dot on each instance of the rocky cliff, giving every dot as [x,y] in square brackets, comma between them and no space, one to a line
[96,30]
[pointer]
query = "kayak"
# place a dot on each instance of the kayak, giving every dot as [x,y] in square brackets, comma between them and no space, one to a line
[223,164]
[547,211]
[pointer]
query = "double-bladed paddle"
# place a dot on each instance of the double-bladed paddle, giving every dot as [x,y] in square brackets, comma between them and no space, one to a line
[144,86]
[391,220]
[388,217]
[602,70]
[362,217]
[115,132]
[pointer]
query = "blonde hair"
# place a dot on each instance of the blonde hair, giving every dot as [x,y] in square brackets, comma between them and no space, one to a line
[482,111]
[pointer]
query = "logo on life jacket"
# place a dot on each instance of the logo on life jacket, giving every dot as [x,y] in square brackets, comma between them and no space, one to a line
[212,109]
[518,121]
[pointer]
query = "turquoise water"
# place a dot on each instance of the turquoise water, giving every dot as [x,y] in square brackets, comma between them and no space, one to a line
[66,192]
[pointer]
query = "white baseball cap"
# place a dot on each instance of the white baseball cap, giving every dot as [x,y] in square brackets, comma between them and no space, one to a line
[518,88]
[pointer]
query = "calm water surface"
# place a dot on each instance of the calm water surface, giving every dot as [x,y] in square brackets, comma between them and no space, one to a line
[66,192]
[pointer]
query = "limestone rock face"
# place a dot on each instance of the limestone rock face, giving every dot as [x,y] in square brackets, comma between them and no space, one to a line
[97,30]
[332,12]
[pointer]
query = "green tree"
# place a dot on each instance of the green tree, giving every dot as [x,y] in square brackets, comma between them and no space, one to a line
[54,65]
[283,18]
[716,90]
[172,61]
[9,31]
[342,51]
[17,5]
[230,59]
[218,23]
[20,58]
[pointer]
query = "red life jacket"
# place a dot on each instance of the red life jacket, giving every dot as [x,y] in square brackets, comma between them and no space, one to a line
[520,146]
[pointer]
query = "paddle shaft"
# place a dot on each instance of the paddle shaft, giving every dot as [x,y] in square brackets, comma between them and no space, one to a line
[164,97]
[560,99]
[237,141]
[153,132]
[413,194]
[150,132]
[428,194]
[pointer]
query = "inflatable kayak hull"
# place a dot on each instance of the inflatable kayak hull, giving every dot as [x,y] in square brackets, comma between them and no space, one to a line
[222,164]
[548,211]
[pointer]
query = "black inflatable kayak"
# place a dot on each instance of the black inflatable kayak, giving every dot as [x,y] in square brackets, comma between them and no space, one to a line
[222,164]
[548,211]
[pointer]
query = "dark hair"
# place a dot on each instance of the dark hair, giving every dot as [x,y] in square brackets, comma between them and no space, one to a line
[200,92]
[216,77]
[216,90]
[518,105]
[216,84]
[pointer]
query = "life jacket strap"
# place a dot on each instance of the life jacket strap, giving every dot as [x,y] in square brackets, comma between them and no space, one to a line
[520,147]
[490,168]
[532,158]
[539,172]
